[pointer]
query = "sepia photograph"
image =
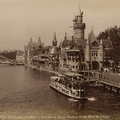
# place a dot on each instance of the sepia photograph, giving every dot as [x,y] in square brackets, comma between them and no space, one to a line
[59,59]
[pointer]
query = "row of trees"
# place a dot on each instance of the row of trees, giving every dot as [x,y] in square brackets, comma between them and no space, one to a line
[113,33]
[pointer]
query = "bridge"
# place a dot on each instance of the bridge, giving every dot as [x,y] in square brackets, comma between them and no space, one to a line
[6,60]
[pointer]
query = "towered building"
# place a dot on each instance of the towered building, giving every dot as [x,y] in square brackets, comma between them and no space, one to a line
[78,53]
[36,54]
[74,53]
[32,50]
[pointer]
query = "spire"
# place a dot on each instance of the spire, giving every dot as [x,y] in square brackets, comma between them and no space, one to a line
[54,42]
[65,36]
[92,37]
[74,17]
[80,12]
[61,43]
[101,42]
[31,39]
[87,41]
[54,38]
[79,8]
[39,40]
[92,28]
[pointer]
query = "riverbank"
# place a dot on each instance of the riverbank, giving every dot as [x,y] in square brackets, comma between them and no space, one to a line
[44,69]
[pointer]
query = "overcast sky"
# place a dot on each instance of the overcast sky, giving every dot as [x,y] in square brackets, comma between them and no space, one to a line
[22,19]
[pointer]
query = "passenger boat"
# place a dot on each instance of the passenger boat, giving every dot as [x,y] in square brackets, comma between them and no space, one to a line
[69,84]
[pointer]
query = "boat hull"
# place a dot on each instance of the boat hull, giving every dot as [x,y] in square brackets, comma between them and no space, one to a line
[75,97]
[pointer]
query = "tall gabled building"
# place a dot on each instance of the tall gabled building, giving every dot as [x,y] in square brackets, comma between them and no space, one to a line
[94,53]
[78,53]
[32,50]
[97,52]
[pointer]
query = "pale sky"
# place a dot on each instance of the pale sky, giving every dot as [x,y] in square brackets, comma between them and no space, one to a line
[22,19]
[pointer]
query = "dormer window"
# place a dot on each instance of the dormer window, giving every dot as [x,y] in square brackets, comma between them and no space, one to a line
[95,44]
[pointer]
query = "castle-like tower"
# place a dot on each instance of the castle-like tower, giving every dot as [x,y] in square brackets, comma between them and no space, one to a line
[78,26]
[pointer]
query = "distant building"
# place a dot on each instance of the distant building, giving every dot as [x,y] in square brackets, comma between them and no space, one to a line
[53,55]
[20,57]
[36,53]
[31,51]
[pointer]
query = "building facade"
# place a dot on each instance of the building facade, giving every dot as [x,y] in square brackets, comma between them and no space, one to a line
[74,53]
[32,50]
[78,53]
[20,57]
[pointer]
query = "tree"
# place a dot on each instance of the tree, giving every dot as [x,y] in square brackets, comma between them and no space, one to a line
[113,33]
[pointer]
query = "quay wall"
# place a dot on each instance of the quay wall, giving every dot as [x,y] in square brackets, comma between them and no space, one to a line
[48,69]
[111,76]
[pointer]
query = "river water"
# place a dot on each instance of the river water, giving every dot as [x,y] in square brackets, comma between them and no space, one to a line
[25,94]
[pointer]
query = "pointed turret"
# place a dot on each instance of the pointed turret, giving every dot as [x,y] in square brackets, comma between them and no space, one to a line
[54,38]
[39,41]
[80,13]
[61,45]
[31,40]
[54,42]
[92,36]
[88,42]
[101,51]
[79,8]
[65,36]
[74,18]
[101,42]
[87,51]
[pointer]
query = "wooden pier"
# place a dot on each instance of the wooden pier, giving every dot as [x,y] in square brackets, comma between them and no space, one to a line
[110,81]
[107,80]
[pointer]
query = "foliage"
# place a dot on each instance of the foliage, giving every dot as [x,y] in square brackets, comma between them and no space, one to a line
[9,55]
[112,33]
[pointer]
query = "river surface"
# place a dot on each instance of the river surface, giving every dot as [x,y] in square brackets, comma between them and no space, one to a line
[25,94]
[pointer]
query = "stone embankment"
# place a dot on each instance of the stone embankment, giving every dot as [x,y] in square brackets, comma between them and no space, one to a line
[45,69]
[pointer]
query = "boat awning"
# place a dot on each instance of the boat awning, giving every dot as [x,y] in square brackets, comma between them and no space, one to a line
[111,61]
[60,75]
[71,74]
[118,67]
[54,77]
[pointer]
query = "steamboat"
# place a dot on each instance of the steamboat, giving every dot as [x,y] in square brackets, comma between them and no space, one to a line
[70,84]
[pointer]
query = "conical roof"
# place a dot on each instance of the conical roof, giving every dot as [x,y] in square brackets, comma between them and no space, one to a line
[92,37]
[54,38]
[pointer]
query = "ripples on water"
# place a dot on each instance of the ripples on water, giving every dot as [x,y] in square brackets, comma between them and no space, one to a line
[26,92]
